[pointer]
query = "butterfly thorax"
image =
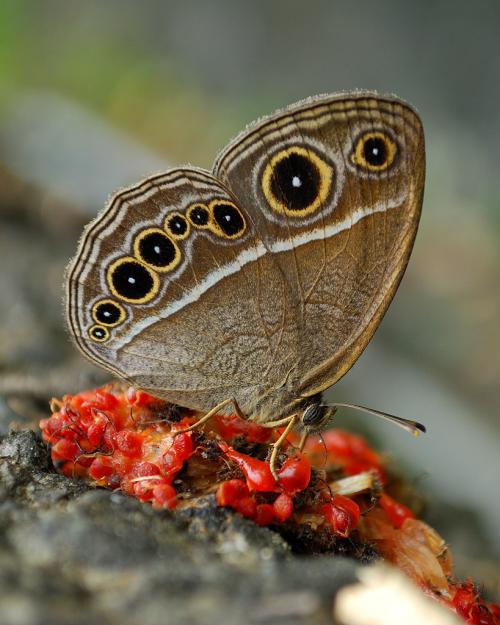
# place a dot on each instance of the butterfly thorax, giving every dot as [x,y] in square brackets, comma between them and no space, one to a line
[284,403]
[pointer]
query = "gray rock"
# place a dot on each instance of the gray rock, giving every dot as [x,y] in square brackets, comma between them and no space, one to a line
[71,554]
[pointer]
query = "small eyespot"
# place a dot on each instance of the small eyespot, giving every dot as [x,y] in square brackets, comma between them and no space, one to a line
[108,313]
[227,218]
[157,250]
[198,215]
[374,151]
[132,281]
[177,226]
[296,181]
[99,334]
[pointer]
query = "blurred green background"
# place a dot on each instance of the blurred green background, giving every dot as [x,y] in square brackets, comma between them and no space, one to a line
[95,95]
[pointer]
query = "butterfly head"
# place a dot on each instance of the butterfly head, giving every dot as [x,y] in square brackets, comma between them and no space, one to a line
[316,416]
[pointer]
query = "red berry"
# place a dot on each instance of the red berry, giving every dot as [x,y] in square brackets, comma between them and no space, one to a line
[295,474]
[283,507]
[144,399]
[246,506]
[100,468]
[342,513]
[396,512]
[104,400]
[171,463]
[65,450]
[164,496]
[264,514]
[183,445]
[257,472]
[230,426]
[131,395]
[464,600]
[231,491]
[122,464]
[129,443]
[145,469]
[96,430]
[480,615]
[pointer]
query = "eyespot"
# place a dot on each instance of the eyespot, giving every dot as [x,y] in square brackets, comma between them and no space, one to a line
[99,334]
[227,219]
[154,248]
[108,313]
[374,151]
[296,181]
[177,226]
[132,281]
[198,215]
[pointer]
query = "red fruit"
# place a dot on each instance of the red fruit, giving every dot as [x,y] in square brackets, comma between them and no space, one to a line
[129,443]
[231,491]
[122,464]
[396,512]
[172,461]
[230,426]
[183,445]
[100,468]
[283,507]
[65,450]
[164,496]
[295,474]
[144,399]
[144,469]
[338,442]
[104,400]
[464,600]
[342,513]
[264,514]
[131,395]
[96,431]
[246,506]
[257,472]
[480,615]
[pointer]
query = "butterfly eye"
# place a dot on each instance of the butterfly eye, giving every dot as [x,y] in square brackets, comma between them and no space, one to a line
[228,219]
[198,215]
[99,334]
[374,151]
[132,281]
[296,181]
[108,313]
[154,248]
[177,226]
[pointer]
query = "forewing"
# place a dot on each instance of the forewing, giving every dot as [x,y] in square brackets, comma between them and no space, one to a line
[170,290]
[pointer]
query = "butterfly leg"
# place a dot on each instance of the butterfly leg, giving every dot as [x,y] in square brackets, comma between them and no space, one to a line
[291,422]
[303,441]
[210,414]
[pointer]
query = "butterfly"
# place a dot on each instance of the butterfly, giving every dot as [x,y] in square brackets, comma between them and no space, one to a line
[259,283]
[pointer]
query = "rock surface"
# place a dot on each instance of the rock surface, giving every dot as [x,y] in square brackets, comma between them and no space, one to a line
[71,554]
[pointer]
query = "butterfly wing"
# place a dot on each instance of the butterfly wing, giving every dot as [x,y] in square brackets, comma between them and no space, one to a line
[167,291]
[334,186]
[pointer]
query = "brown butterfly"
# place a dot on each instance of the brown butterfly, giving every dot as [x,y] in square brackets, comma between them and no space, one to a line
[260,283]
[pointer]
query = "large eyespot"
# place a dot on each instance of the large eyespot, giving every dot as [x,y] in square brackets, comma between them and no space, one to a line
[198,215]
[108,313]
[99,334]
[227,219]
[296,181]
[177,226]
[154,248]
[374,151]
[133,281]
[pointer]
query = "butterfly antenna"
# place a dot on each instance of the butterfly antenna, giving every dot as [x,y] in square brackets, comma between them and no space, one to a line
[414,427]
